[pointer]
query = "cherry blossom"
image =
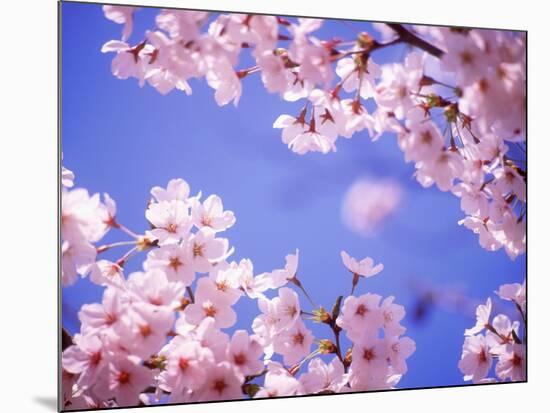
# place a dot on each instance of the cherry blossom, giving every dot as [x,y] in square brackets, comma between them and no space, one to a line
[210,214]
[121,15]
[324,377]
[483,314]
[399,349]
[500,338]
[104,272]
[361,316]
[293,343]
[244,351]
[185,366]
[369,203]
[513,292]
[279,382]
[76,259]
[364,268]
[476,358]
[205,249]
[125,381]
[452,102]
[456,108]
[170,219]
[174,260]
[222,383]
[370,356]
[511,362]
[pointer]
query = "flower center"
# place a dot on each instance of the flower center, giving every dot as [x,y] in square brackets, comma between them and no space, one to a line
[368,354]
[197,250]
[175,263]
[219,386]
[210,310]
[298,338]
[426,137]
[482,357]
[145,330]
[206,221]
[172,228]
[239,359]
[183,363]
[95,358]
[361,310]
[123,377]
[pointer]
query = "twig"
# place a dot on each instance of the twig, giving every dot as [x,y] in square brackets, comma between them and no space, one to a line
[412,39]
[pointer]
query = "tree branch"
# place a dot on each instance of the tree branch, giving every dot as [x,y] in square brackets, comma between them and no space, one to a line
[408,37]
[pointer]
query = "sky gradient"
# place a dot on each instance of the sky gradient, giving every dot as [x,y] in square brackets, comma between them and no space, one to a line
[122,139]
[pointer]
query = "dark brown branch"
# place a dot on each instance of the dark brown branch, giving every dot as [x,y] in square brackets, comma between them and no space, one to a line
[66,339]
[406,36]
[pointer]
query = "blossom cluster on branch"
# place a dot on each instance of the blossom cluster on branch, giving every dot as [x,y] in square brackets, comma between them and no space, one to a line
[458,135]
[498,339]
[162,335]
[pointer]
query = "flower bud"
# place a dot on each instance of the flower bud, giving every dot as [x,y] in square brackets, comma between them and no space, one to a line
[451,113]
[321,316]
[250,389]
[327,347]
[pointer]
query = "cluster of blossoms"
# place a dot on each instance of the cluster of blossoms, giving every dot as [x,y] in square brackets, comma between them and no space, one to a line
[368,203]
[167,334]
[84,221]
[498,339]
[459,142]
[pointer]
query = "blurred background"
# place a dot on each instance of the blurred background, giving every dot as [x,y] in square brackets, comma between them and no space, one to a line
[122,139]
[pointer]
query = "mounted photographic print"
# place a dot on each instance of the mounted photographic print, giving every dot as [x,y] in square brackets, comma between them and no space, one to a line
[256,206]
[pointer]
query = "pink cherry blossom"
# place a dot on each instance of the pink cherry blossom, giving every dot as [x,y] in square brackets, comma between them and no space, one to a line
[121,15]
[361,316]
[364,268]
[129,62]
[279,382]
[222,383]
[223,78]
[81,218]
[67,177]
[324,377]
[443,170]
[143,329]
[155,288]
[392,314]
[293,343]
[176,190]
[170,219]
[86,357]
[185,366]
[76,258]
[287,308]
[476,358]
[511,362]
[369,203]
[513,292]
[399,349]
[205,249]
[210,214]
[483,314]
[369,357]
[354,75]
[399,83]
[174,260]
[209,304]
[125,381]
[244,352]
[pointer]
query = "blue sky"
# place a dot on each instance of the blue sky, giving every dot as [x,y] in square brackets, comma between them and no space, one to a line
[123,139]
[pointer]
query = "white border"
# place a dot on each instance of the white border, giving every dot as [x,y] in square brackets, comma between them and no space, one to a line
[28,203]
